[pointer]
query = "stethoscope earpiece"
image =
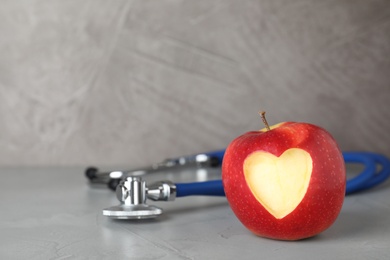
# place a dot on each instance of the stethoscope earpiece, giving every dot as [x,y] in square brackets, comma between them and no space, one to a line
[91,172]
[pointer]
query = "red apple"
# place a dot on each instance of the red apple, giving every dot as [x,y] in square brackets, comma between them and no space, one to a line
[285,182]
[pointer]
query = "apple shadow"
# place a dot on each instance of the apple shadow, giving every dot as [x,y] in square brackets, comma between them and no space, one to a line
[350,225]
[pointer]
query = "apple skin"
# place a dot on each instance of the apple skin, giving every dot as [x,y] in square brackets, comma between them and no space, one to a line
[325,194]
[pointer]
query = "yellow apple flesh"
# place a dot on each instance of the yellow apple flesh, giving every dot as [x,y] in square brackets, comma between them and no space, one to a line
[279,183]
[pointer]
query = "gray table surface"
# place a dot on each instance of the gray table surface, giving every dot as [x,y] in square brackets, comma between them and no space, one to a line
[52,213]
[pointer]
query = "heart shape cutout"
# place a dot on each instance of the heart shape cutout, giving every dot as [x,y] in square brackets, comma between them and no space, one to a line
[279,183]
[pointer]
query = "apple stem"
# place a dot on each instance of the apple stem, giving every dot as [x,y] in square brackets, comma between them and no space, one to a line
[262,114]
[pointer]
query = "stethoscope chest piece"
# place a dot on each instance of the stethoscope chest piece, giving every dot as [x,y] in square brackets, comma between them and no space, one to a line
[132,192]
[142,211]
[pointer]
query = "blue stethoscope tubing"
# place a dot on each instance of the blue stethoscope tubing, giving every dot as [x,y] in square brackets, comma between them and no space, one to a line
[376,170]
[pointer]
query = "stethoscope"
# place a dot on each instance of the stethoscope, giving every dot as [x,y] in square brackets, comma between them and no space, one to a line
[132,191]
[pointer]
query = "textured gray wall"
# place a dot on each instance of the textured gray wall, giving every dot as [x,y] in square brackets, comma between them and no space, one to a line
[131,82]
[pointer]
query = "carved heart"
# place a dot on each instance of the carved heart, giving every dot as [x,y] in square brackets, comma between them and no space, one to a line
[279,183]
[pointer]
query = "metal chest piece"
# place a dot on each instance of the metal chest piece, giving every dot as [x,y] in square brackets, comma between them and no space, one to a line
[132,192]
